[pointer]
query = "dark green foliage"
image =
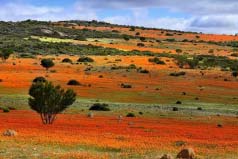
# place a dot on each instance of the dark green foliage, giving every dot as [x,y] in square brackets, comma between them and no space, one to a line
[130,115]
[199,108]
[39,79]
[175,108]
[140,44]
[178,102]
[47,63]
[85,59]
[170,40]
[234,54]
[99,107]
[169,34]
[179,51]
[235,74]
[73,83]
[126,85]
[142,38]
[156,60]
[5,53]
[67,60]
[5,109]
[144,71]
[49,100]
[176,74]
[132,29]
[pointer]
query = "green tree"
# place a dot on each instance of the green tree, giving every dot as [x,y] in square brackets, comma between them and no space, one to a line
[5,54]
[47,63]
[49,100]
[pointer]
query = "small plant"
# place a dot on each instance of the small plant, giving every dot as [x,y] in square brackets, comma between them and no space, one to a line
[178,102]
[179,51]
[67,60]
[5,109]
[219,125]
[85,59]
[73,83]
[47,63]
[199,108]
[176,74]
[175,108]
[141,113]
[130,115]
[39,79]
[144,71]
[140,44]
[234,74]
[126,85]
[99,107]
[156,60]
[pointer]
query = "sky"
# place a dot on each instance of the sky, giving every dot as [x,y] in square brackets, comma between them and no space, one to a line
[207,16]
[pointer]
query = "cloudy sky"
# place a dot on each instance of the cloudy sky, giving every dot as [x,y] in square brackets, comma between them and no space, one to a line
[208,16]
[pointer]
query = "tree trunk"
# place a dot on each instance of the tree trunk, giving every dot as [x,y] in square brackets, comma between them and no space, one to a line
[48,118]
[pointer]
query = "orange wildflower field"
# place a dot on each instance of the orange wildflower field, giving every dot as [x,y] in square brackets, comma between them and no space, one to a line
[121,138]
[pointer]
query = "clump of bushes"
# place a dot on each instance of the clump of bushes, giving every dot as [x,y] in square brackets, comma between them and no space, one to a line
[85,59]
[178,102]
[99,107]
[5,109]
[67,60]
[175,108]
[176,74]
[156,60]
[39,79]
[130,115]
[144,71]
[126,85]
[73,83]
[140,44]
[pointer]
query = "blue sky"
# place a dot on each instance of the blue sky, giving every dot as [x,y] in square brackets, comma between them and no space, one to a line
[209,16]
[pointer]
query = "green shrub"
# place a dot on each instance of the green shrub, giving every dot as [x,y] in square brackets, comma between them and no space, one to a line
[126,85]
[176,74]
[5,109]
[39,79]
[85,59]
[73,83]
[144,71]
[156,60]
[67,60]
[99,107]
[130,115]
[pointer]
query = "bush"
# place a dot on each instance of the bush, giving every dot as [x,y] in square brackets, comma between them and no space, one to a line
[47,63]
[140,44]
[179,51]
[175,108]
[99,107]
[234,54]
[178,102]
[130,115]
[176,74]
[156,60]
[39,79]
[49,100]
[67,60]
[73,83]
[5,110]
[199,108]
[234,73]
[85,59]
[142,38]
[144,71]
[126,85]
